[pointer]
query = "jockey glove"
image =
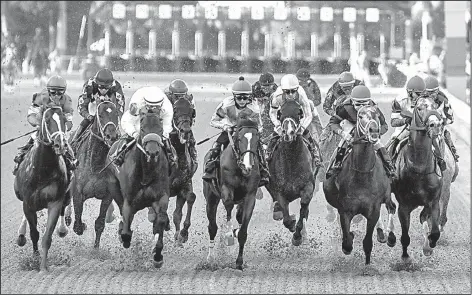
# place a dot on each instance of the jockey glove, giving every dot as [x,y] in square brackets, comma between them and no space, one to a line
[278,129]
[346,136]
[408,120]
[68,125]
[135,135]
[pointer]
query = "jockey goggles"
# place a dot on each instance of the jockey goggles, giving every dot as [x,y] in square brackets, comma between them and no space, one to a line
[290,91]
[56,92]
[104,87]
[242,96]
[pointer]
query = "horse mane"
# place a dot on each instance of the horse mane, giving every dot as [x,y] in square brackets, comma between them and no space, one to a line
[290,108]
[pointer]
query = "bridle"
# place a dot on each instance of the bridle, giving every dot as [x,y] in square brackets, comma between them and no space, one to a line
[101,127]
[152,136]
[423,123]
[237,152]
[363,130]
[45,130]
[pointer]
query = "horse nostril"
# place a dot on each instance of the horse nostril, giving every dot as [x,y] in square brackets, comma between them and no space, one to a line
[107,136]
[56,145]
[432,125]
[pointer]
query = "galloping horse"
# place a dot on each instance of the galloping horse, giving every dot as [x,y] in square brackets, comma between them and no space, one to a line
[420,181]
[144,180]
[291,171]
[238,177]
[41,182]
[88,182]
[362,185]
[182,186]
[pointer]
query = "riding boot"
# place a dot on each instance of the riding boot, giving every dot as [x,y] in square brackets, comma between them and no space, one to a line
[337,163]
[210,165]
[69,159]
[315,152]
[448,140]
[271,145]
[392,144]
[171,155]
[21,154]
[120,155]
[82,126]
[387,161]
[193,153]
[439,157]
[263,169]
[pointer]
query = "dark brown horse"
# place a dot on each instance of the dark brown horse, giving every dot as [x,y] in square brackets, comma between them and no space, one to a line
[420,181]
[144,180]
[88,182]
[291,171]
[238,177]
[41,181]
[362,185]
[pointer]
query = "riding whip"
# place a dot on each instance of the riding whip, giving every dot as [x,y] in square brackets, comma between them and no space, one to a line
[10,140]
[207,139]
[124,150]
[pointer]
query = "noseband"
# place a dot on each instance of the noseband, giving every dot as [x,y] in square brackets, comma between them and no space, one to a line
[45,130]
[103,127]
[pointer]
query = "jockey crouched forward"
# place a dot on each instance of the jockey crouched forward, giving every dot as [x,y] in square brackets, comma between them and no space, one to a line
[177,90]
[290,90]
[53,95]
[360,97]
[99,88]
[225,118]
[147,97]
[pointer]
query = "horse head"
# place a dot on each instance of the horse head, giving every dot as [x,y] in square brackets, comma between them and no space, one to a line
[290,115]
[106,120]
[368,124]
[426,117]
[151,132]
[246,143]
[184,113]
[53,127]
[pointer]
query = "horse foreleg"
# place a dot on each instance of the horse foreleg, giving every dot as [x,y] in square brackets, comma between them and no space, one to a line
[288,221]
[68,209]
[227,197]
[300,230]
[100,221]
[391,209]
[380,229]
[54,209]
[21,241]
[79,226]
[158,229]
[435,233]
[191,197]
[248,208]
[348,236]
[32,218]
[404,217]
[211,209]
[367,242]
[177,217]
[125,231]
[109,214]
[62,229]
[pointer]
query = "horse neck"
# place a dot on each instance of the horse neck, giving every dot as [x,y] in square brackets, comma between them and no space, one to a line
[363,157]
[45,162]
[182,153]
[97,150]
[149,171]
[293,151]
[419,151]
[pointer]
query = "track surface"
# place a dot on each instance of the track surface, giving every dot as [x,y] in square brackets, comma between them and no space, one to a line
[272,264]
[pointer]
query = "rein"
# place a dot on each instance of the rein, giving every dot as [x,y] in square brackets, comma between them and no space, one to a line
[101,128]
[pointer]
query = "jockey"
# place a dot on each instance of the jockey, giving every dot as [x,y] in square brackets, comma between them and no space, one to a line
[432,90]
[339,92]
[262,90]
[148,97]
[415,88]
[53,95]
[176,90]
[225,118]
[313,93]
[348,111]
[290,90]
[101,87]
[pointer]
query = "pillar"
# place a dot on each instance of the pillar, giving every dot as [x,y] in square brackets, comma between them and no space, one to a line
[222,65]
[408,39]
[455,29]
[130,44]
[107,51]
[245,48]
[61,31]
[176,46]
[199,66]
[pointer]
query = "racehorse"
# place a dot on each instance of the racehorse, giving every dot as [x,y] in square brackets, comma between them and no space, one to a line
[420,182]
[291,171]
[41,182]
[238,180]
[91,150]
[181,185]
[144,180]
[362,185]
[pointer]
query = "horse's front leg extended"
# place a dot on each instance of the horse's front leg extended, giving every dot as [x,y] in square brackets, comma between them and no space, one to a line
[158,229]
[54,209]
[125,231]
[248,208]
[435,233]
[190,197]
[288,221]
[300,231]
[348,236]
[227,198]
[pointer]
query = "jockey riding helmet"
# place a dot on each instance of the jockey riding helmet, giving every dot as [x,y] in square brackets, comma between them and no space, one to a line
[56,83]
[104,78]
[289,84]
[266,79]
[303,74]
[242,92]
[346,81]
[415,88]
[360,96]
[178,86]
[431,86]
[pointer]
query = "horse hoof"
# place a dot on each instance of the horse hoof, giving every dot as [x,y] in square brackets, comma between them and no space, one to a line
[126,244]
[381,236]
[277,216]
[62,232]
[183,238]
[151,217]
[158,264]
[21,241]
[427,251]
[109,219]
[357,219]
[392,239]
[229,239]
[407,259]
[239,267]
[346,252]
[296,242]
[68,220]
